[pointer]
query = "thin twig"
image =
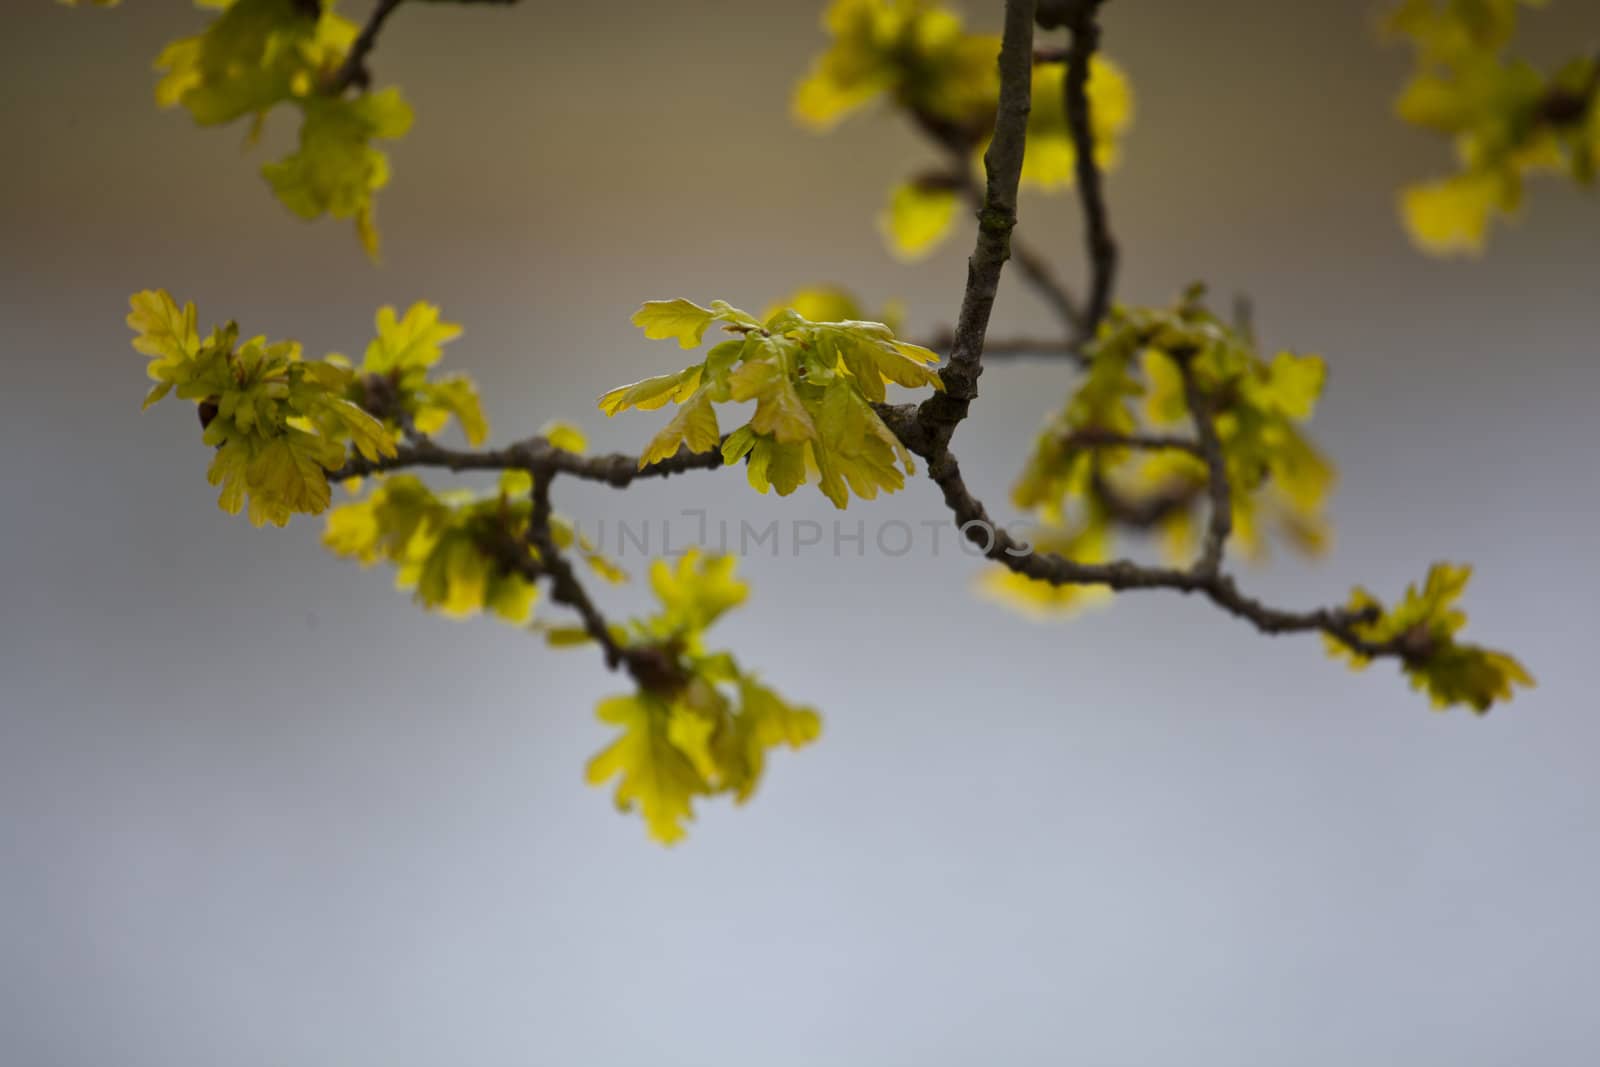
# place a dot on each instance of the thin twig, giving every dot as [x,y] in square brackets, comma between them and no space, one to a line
[1034,266]
[1148,442]
[353,71]
[565,588]
[1011,347]
[655,667]
[941,413]
[998,545]
[617,469]
[1143,511]
[1102,248]
[1244,317]
[1217,483]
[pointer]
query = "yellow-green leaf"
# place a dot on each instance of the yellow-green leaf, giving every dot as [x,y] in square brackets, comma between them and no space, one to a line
[651,771]
[651,393]
[918,218]
[1451,216]
[695,425]
[164,332]
[336,170]
[565,436]
[681,319]
[417,340]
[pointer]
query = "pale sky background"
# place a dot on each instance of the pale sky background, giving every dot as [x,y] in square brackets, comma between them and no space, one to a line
[258,810]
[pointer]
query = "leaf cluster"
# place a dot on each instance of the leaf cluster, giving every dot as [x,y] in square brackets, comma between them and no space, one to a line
[919,55]
[278,422]
[259,54]
[1424,625]
[1086,475]
[1506,118]
[705,727]
[813,385]
[394,378]
[459,553]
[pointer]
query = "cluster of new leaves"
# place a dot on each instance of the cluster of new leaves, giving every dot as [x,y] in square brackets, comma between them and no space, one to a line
[1085,476]
[459,553]
[1507,118]
[259,54]
[704,725]
[455,551]
[920,55]
[813,383]
[279,423]
[915,51]
[393,380]
[1425,624]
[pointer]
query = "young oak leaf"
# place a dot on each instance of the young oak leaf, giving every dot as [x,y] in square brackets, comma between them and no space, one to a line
[764,721]
[685,320]
[1451,216]
[919,216]
[652,772]
[780,413]
[288,472]
[171,337]
[694,427]
[652,393]
[873,357]
[565,436]
[416,340]
[695,593]
[769,464]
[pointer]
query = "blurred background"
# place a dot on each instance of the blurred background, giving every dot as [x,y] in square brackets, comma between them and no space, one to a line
[259,810]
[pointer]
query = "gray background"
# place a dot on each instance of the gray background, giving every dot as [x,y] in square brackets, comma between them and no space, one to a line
[258,810]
